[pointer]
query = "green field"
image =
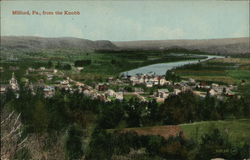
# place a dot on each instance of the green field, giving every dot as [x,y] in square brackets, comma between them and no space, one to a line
[236,130]
[239,74]
[226,70]
[103,64]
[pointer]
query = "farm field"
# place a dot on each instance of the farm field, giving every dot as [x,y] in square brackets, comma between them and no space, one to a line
[226,70]
[164,131]
[102,65]
[237,130]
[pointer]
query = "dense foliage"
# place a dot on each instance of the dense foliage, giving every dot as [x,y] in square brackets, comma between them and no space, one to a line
[64,108]
[81,63]
[42,115]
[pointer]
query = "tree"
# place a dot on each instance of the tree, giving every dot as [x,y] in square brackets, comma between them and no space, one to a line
[50,64]
[180,108]
[170,75]
[213,144]
[134,110]
[100,146]
[154,144]
[11,131]
[111,116]
[81,63]
[176,148]
[58,65]
[74,142]
[9,95]
[40,117]
[67,67]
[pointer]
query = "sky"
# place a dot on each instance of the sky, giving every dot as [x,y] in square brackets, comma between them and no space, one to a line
[128,20]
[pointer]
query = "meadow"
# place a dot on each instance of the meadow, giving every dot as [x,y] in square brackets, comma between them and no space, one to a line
[102,66]
[226,70]
[236,130]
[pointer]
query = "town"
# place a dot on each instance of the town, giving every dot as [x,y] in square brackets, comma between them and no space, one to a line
[143,86]
[125,80]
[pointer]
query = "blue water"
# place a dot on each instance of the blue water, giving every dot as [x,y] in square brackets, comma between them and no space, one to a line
[161,68]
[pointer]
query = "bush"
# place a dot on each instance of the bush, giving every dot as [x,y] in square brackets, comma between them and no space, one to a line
[81,63]
[67,67]
[214,144]
[23,154]
[74,142]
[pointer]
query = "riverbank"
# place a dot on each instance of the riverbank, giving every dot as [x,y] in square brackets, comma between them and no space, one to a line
[112,64]
[161,68]
[226,70]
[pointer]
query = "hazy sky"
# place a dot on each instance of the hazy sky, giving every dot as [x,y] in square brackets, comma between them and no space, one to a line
[129,20]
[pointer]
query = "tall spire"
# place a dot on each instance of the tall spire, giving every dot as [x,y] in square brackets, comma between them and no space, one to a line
[13,75]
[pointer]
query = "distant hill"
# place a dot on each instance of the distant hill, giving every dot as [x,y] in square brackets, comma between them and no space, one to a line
[36,43]
[220,46]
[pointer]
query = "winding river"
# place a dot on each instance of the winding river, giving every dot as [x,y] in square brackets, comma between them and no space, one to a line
[161,68]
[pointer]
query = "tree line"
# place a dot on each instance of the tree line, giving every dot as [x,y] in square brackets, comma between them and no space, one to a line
[64,108]
[56,114]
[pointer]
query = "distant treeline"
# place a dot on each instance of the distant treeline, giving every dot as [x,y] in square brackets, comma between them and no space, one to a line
[246,55]
[81,63]
[170,50]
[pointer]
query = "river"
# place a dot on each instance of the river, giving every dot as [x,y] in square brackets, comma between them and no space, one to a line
[161,68]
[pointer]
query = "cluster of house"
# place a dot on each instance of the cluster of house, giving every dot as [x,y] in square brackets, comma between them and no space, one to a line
[199,88]
[148,80]
[100,92]
[103,92]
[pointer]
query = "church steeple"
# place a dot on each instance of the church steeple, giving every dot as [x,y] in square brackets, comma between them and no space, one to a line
[13,82]
[13,75]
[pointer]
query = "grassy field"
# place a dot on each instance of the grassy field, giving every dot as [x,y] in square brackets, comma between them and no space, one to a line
[106,64]
[227,70]
[103,64]
[237,130]
[129,96]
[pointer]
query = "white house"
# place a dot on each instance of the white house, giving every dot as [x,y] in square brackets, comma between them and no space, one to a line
[176,91]
[212,92]
[79,68]
[162,93]
[49,91]
[42,68]
[110,93]
[119,95]
[3,89]
[149,84]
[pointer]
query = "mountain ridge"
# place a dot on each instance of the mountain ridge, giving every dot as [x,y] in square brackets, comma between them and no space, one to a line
[221,46]
[32,42]
[218,46]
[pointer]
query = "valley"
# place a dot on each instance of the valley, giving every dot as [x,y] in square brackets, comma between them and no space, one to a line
[148,104]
